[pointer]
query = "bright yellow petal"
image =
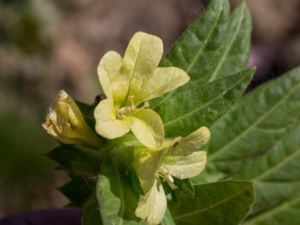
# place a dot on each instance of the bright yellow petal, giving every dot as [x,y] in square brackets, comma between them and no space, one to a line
[192,142]
[142,56]
[162,81]
[187,166]
[114,84]
[107,125]
[108,69]
[146,164]
[148,128]
[153,205]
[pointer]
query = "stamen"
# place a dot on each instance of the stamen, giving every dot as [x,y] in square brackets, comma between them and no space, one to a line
[130,98]
[131,106]
[124,111]
[166,174]
[170,178]
[146,104]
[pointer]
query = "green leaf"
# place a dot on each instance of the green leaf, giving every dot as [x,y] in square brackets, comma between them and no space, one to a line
[168,219]
[216,203]
[276,176]
[83,166]
[116,196]
[202,105]
[88,113]
[91,213]
[186,186]
[254,125]
[78,190]
[76,159]
[259,140]
[216,45]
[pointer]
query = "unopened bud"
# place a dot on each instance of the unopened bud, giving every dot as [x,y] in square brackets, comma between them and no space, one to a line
[66,123]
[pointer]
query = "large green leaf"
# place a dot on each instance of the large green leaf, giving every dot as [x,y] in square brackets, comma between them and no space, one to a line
[259,140]
[216,45]
[254,125]
[216,203]
[202,105]
[276,176]
[116,195]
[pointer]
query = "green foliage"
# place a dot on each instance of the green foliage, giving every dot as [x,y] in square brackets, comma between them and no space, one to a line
[213,204]
[78,190]
[262,145]
[76,159]
[276,177]
[116,196]
[256,123]
[168,219]
[216,45]
[82,165]
[202,105]
[91,214]
[254,138]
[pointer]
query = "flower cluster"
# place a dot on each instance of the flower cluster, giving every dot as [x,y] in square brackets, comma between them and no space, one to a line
[129,82]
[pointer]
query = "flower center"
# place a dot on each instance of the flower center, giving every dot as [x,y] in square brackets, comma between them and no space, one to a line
[166,174]
[126,110]
[129,109]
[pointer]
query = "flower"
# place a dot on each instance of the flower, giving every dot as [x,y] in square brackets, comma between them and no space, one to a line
[175,158]
[66,123]
[128,84]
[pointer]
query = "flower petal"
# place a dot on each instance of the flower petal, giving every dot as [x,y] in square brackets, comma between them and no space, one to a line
[142,56]
[107,125]
[148,128]
[187,166]
[192,142]
[162,81]
[114,84]
[153,205]
[146,164]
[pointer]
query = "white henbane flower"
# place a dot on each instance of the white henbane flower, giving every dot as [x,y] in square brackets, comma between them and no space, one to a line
[128,84]
[66,123]
[174,158]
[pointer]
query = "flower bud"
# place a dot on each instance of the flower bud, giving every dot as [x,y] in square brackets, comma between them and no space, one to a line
[66,123]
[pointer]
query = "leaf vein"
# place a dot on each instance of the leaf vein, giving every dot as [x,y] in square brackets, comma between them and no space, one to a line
[201,106]
[211,206]
[259,119]
[191,65]
[222,60]
[277,166]
[282,207]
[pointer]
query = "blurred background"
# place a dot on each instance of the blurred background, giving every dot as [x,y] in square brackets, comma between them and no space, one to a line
[46,46]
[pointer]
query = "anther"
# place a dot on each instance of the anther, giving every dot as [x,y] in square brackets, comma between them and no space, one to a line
[146,104]
[170,178]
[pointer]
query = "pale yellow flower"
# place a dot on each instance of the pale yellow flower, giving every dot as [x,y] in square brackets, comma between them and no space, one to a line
[66,123]
[128,84]
[174,158]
